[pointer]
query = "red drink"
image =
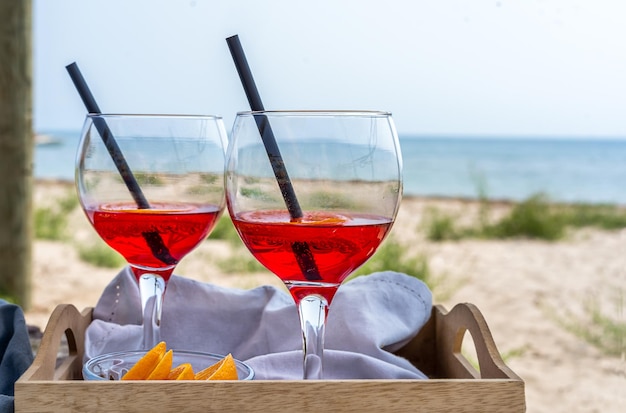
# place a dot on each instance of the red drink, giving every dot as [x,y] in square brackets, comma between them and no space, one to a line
[338,243]
[177,227]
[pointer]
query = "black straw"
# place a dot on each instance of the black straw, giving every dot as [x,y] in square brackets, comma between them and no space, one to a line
[303,254]
[271,147]
[107,137]
[153,238]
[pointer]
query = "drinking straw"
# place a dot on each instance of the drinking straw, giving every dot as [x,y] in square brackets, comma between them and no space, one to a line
[153,238]
[301,250]
[271,147]
[107,137]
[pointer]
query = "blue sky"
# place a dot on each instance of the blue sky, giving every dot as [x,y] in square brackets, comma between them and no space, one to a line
[452,67]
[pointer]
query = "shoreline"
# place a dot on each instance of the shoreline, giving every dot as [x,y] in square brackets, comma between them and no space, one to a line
[410,197]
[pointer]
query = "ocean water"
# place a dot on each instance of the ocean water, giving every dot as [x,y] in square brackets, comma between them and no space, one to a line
[567,170]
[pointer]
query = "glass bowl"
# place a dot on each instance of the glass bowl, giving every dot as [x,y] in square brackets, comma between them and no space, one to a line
[112,366]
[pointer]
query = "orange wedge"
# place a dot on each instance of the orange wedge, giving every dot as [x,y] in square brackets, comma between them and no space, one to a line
[162,370]
[225,369]
[181,372]
[144,366]
[206,373]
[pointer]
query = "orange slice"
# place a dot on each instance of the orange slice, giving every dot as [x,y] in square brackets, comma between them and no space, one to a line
[181,372]
[162,370]
[225,369]
[144,366]
[321,218]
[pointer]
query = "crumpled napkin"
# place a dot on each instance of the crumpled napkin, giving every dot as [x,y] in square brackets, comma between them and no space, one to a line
[370,317]
[16,354]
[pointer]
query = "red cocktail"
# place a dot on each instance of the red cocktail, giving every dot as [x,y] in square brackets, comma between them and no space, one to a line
[338,243]
[152,187]
[131,231]
[312,195]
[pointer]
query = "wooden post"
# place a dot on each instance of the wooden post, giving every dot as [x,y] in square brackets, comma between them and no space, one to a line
[16,150]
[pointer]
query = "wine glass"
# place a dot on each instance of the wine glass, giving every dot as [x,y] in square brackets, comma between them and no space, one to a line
[152,187]
[312,195]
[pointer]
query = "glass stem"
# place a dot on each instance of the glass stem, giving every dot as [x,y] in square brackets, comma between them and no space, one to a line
[313,310]
[151,289]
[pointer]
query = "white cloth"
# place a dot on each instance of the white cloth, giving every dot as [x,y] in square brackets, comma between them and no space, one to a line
[370,317]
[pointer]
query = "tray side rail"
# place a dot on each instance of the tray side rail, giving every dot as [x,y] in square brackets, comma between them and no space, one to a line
[464,318]
[64,320]
[436,350]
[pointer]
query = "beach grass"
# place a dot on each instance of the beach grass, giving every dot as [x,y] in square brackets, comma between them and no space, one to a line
[225,230]
[604,216]
[468,350]
[245,263]
[50,222]
[441,226]
[605,332]
[531,218]
[100,254]
[393,256]
[145,179]
[535,217]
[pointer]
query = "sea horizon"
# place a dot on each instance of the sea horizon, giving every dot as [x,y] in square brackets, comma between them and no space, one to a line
[501,168]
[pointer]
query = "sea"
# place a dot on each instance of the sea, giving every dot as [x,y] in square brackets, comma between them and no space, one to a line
[573,170]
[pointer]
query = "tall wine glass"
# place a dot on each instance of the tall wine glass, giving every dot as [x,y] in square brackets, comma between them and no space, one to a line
[152,186]
[312,195]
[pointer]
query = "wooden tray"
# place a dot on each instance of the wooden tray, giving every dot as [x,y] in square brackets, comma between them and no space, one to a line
[455,386]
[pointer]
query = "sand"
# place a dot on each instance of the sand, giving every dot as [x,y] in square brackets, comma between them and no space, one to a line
[527,290]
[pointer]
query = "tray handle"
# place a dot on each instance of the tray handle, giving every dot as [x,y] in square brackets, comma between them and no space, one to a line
[462,318]
[64,320]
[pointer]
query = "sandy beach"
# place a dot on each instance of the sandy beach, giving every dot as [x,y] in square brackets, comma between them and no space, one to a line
[527,290]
